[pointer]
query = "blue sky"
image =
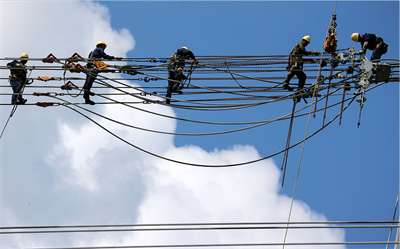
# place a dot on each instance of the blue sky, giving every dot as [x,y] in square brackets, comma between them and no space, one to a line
[347,173]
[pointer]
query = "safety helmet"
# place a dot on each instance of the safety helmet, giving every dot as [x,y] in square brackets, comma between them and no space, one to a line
[185,48]
[355,36]
[24,55]
[307,38]
[101,43]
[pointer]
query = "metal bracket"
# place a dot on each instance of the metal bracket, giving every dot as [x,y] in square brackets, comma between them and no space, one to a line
[366,72]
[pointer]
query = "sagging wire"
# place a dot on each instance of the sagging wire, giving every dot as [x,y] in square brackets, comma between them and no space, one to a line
[193,134]
[204,165]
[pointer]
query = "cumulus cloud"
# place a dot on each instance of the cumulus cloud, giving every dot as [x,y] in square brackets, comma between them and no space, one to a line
[79,174]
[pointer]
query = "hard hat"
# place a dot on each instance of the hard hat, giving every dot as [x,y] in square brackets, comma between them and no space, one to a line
[307,38]
[185,48]
[355,36]
[24,55]
[101,43]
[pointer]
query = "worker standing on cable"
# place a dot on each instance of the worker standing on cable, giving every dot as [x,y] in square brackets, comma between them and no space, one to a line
[371,42]
[97,53]
[175,70]
[18,78]
[296,61]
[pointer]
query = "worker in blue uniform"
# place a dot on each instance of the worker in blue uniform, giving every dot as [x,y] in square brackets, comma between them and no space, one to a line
[97,53]
[371,42]
[18,78]
[175,70]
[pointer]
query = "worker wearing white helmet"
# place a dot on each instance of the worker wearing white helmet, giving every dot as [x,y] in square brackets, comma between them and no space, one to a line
[371,42]
[18,78]
[295,66]
[98,53]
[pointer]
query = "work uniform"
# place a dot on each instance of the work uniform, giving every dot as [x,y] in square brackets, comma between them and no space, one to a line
[17,80]
[374,43]
[175,71]
[98,52]
[295,66]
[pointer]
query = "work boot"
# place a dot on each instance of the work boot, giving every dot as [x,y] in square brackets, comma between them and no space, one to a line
[87,99]
[22,101]
[286,86]
[91,93]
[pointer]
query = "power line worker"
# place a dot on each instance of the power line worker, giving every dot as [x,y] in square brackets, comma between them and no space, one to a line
[18,78]
[295,66]
[99,53]
[175,70]
[371,42]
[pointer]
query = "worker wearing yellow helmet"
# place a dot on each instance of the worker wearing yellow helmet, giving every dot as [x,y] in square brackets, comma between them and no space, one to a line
[18,78]
[97,53]
[295,66]
[371,42]
[175,71]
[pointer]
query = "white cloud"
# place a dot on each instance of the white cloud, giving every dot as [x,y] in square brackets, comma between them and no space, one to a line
[87,176]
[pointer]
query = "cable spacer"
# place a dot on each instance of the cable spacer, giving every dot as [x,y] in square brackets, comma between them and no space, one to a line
[44,104]
[77,68]
[50,59]
[69,86]
[75,57]
[45,78]
[40,94]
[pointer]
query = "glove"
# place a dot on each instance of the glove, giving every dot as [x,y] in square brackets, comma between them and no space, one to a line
[360,52]
[118,58]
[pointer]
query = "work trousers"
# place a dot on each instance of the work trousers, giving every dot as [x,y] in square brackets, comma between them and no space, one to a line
[378,51]
[300,75]
[89,81]
[16,85]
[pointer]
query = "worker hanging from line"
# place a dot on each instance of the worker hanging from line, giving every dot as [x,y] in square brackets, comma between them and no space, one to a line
[295,66]
[98,52]
[371,42]
[18,78]
[175,71]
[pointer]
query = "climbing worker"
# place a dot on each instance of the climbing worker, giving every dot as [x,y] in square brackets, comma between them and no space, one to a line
[97,53]
[371,42]
[18,78]
[175,70]
[295,66]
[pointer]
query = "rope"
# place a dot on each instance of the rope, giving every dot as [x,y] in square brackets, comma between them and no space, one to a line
[304,140]
[286,155]
[14,109]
